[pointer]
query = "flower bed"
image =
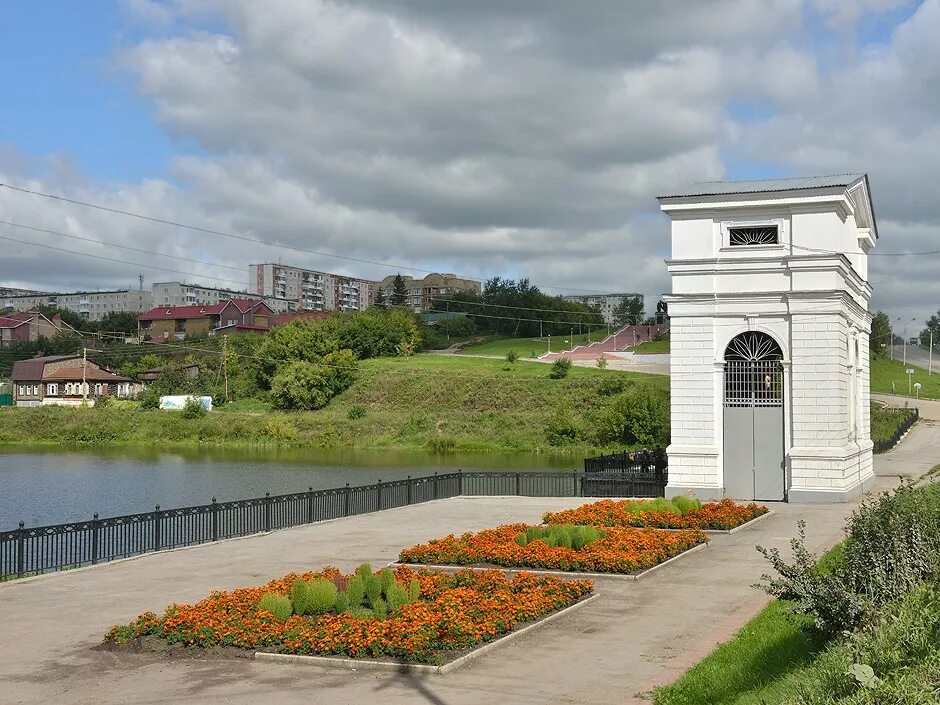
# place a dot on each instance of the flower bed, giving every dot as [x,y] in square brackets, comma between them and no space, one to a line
[449,613]
[723,515]
[618,550]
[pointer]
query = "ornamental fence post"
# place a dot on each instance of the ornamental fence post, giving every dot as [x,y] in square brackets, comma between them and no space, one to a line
[215,520]
[460,482]
[156,528]
[94,539]
[309,505]
[574,483]
[21,551]
[378,496]
[410,491]
[346,501]
[518,483]
[435,485]
[267,511]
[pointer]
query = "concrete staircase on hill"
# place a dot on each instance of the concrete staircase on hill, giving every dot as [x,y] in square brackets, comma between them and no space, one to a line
[626,337]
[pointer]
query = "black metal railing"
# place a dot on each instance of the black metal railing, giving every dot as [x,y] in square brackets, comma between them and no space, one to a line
[632,473]
[28,551]
[909,420]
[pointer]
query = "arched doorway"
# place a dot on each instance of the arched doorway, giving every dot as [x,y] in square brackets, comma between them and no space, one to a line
[753,418]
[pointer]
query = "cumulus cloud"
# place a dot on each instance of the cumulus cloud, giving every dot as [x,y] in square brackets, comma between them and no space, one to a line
[510,137]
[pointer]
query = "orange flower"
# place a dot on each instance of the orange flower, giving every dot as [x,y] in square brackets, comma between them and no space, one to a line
[725,514]
[453,612]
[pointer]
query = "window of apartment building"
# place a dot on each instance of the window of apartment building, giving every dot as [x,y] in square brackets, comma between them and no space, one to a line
[52,389]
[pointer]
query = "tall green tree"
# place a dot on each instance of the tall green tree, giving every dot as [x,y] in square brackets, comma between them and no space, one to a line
[880,335]
[399,291]
[933,324]
[380,298]
[119,322]
[629,310]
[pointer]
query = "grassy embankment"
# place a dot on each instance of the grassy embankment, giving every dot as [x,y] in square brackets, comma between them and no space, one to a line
[429,402]
[524,347]
[657,346]
[885,371]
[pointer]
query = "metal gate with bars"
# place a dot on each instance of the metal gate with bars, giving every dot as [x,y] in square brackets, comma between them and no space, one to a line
[753,418]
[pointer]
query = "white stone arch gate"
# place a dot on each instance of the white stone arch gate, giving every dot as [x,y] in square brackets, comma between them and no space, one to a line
[786,258]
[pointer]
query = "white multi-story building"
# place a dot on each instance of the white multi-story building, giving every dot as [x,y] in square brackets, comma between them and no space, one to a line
[769,325]
[183,294]
[607,304]
[309,289]
[92,305]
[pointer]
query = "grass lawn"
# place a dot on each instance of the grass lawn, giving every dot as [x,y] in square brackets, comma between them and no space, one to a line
[526,346]
[657,346]
[428,402]
[756,667]
[884,372]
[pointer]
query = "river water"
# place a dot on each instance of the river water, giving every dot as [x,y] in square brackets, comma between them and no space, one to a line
[41,487]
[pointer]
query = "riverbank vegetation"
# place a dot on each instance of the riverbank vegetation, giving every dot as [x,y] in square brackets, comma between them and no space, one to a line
[858,626]
[430,402]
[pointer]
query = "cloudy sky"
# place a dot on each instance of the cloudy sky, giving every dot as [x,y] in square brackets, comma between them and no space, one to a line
[510,137]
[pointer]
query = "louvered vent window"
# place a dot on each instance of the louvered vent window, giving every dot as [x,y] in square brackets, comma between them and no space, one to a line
[753,235]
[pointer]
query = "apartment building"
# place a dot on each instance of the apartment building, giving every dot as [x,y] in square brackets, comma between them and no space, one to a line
[422,292]
[309,289]
[184,294]
[605,303]
[91,305]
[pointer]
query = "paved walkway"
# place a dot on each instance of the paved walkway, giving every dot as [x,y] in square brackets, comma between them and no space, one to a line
[928,409]
[913,456]
[625,641]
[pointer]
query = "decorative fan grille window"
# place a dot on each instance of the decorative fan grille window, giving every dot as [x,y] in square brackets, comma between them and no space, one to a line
[753,373]
[753,235]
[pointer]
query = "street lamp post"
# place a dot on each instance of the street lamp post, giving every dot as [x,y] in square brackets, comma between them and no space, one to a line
[905,339]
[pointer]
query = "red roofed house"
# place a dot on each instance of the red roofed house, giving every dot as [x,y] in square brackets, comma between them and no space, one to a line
[28,326]
[230,315]
[66,379]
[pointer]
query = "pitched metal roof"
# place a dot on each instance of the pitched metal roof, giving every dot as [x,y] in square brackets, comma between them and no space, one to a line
[31,370]
[716,188]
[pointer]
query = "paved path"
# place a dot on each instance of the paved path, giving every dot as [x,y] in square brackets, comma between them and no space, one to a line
[913,456]
[635,635]
[602,654]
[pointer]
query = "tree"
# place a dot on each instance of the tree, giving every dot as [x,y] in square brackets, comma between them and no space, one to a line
[933,324]
[306,386]
[880,335]
[297,341]
[380,298]
[399,291]
[629,310]
[118,322]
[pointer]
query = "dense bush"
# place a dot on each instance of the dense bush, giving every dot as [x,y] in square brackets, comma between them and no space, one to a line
[193,409]
[278,605]
[560,368]
[637,416]
[892,545]
[566,535]
[562,429]
[308,386]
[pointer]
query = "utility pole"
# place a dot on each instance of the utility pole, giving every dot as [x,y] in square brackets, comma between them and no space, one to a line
[930,355]
[225,363]
[84,383]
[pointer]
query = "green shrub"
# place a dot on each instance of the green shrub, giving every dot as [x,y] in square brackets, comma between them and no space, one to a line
[396,597]
[562,429]
[387,577]
[299,595]
[361,613]
[104,401]
[512,356]
[601,363]
[149,399]
[685,504]
[612,386]
[560,368]
[380,609]
[565,535]
[356,411]
[364,571]
[341,604]
[356,591]
[637,416]
[373,589]
[278,605]
[892,545]
[414,589]
[441,444]
[193,409]
[321,596]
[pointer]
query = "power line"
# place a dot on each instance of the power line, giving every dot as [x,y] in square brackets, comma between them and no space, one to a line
[243,238]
